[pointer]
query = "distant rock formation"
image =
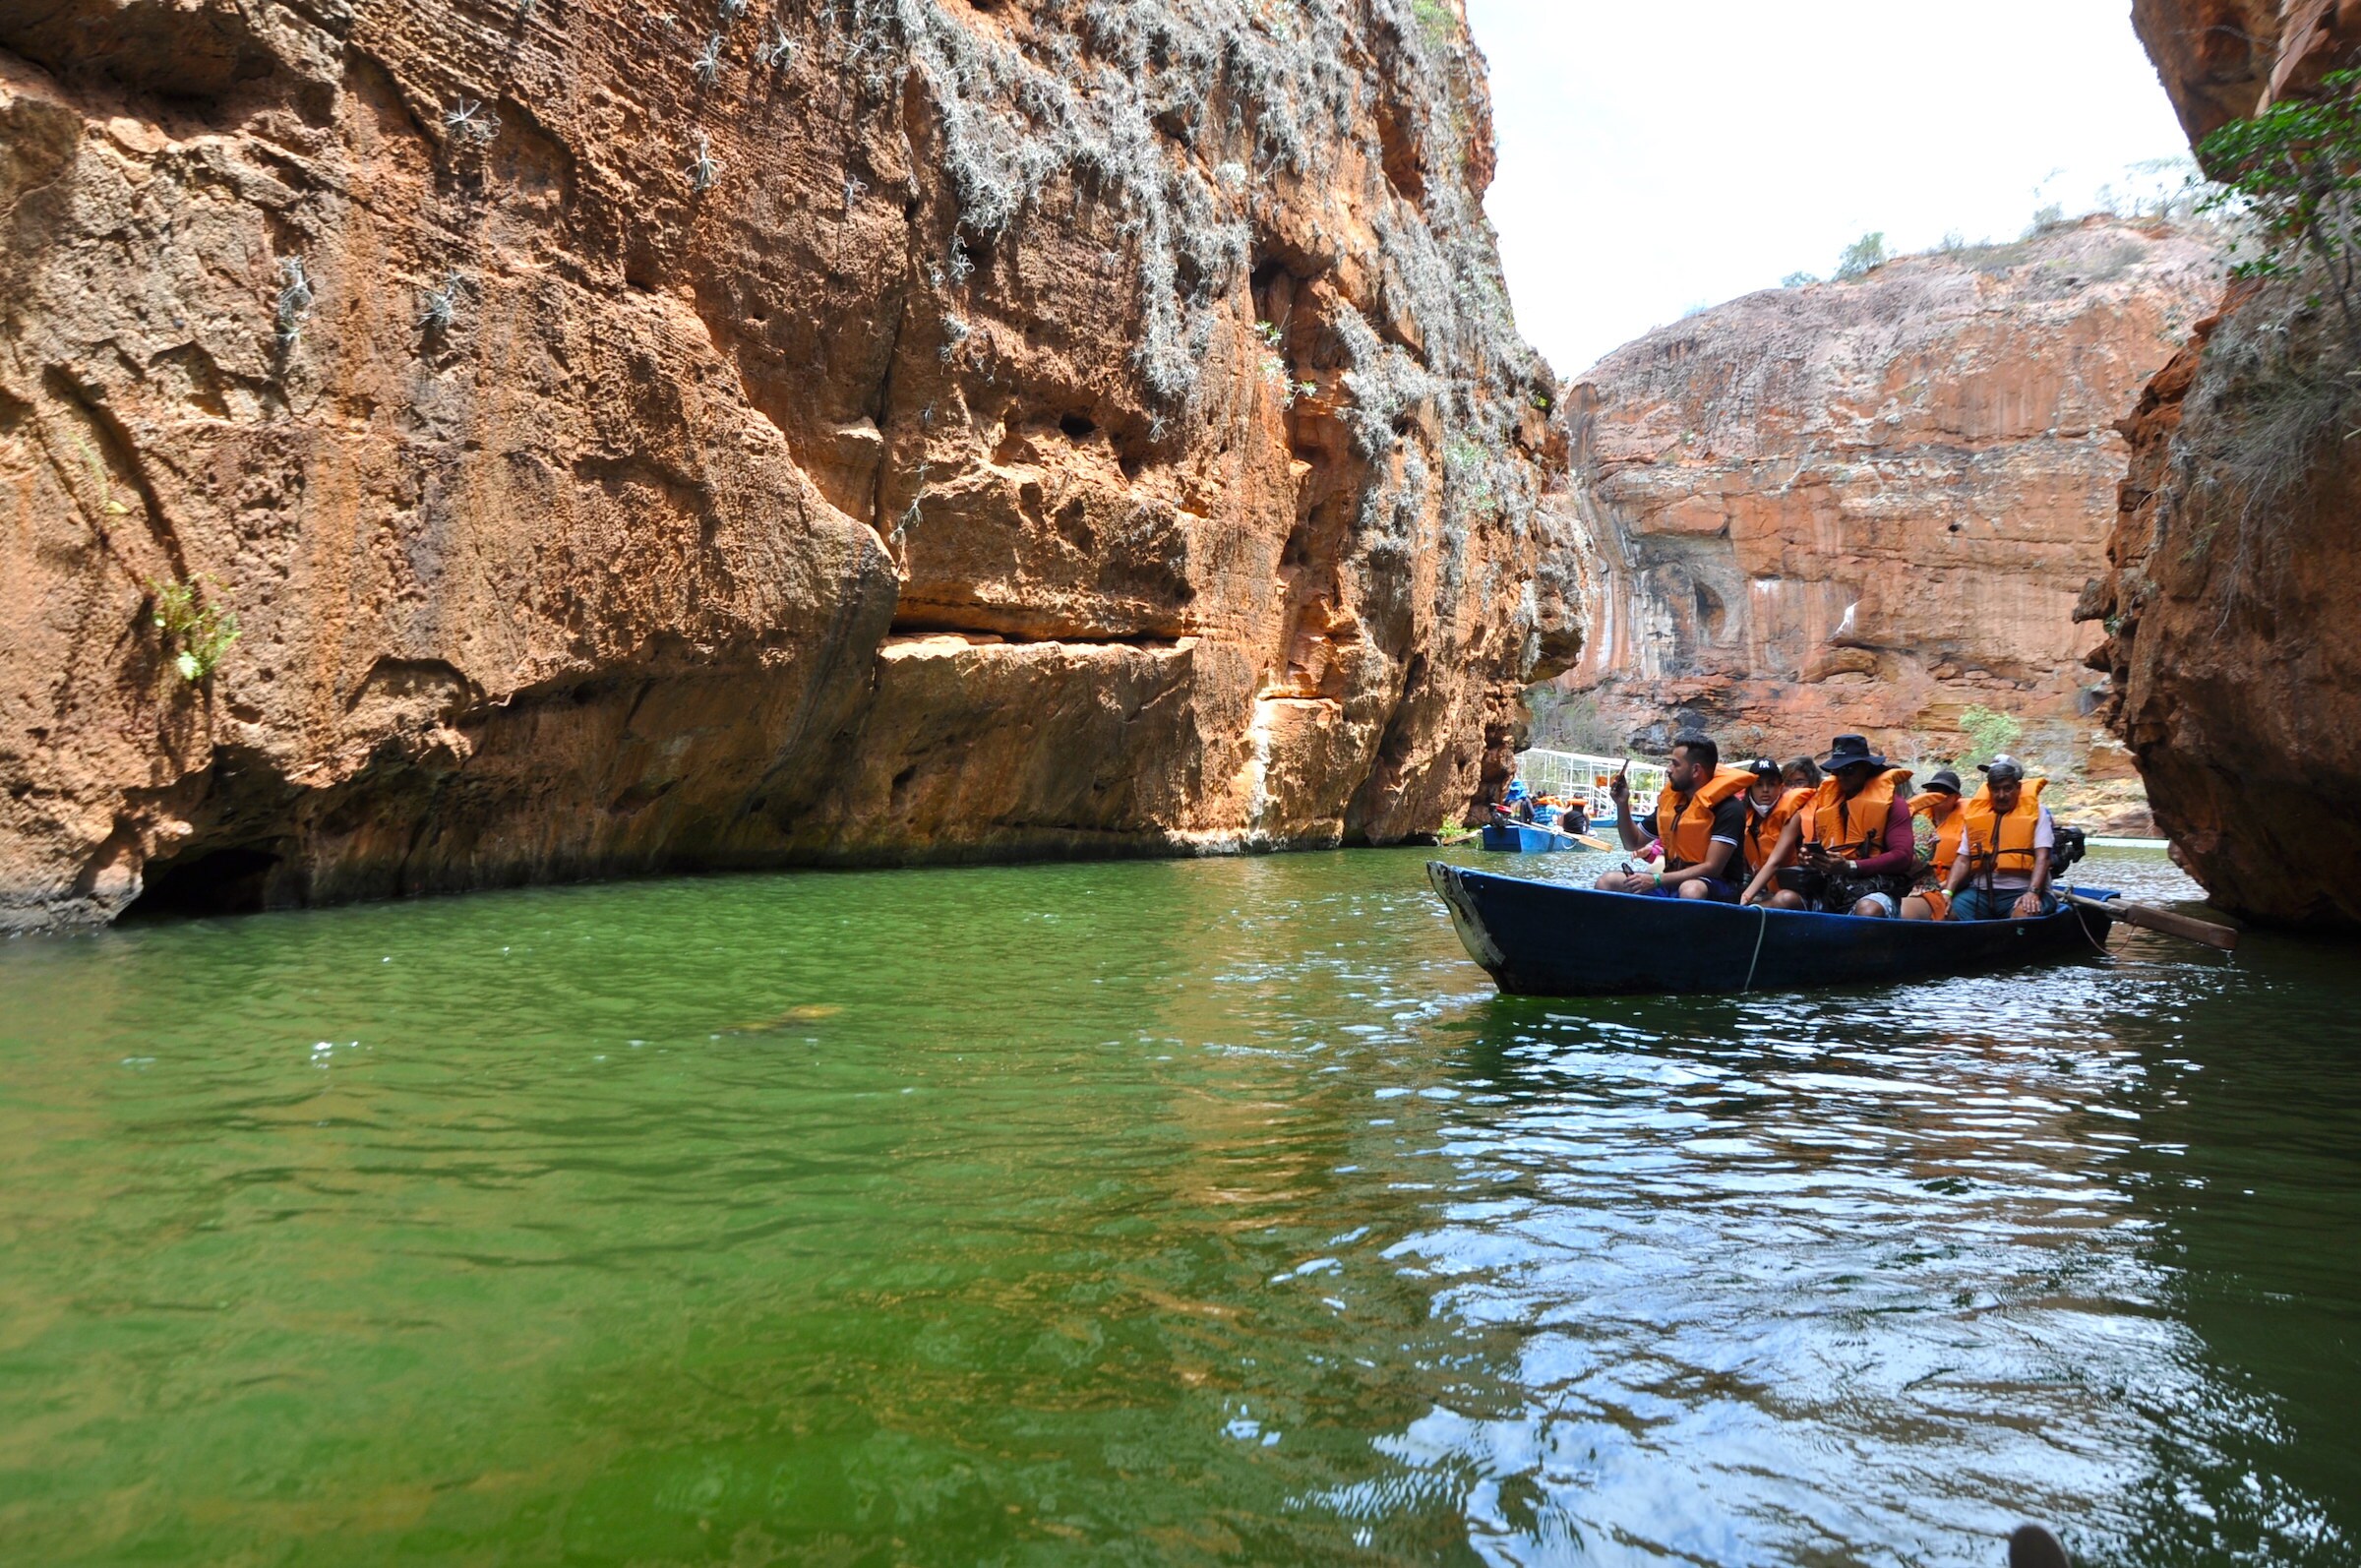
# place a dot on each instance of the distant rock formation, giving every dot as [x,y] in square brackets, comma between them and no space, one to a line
[2236,557]
[634,439]
[1869,505]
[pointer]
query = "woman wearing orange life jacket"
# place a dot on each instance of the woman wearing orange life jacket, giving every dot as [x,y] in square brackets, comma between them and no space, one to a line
[1770,806]
[1700,818]
[1939,809]
[1851,841]
[2005,841]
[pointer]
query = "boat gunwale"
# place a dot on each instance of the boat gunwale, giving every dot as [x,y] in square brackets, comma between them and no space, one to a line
[2102,894]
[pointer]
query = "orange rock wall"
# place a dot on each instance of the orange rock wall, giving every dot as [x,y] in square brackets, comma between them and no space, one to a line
[1865,506]
[2235,676]
[1873,503]
[636,438]
[2222,60]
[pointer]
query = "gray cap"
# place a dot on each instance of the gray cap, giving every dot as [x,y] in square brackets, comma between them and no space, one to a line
[2002,767]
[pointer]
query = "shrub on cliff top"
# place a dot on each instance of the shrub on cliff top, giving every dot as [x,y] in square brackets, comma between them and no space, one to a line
[1863,256]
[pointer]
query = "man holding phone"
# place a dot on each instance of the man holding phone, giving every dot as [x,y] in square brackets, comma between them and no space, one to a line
[1700,818]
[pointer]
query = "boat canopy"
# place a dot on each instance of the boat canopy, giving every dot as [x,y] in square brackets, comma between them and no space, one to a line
[1581,778]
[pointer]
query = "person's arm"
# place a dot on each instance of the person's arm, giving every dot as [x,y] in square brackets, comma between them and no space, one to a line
[2029,902]
[1961,866]
[2045,841]
[1618,790]
[1900,845]
[1729,822]
[1790,837]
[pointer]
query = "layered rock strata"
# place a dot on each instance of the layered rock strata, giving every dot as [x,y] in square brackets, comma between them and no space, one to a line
[829,430]
[2232,566]
[1870,504]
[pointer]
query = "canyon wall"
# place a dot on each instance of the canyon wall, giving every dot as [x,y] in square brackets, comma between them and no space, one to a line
[2236,556]
[833,431]
[1870,504]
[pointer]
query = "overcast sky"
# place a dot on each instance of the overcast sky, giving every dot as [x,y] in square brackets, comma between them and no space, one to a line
[1657,156]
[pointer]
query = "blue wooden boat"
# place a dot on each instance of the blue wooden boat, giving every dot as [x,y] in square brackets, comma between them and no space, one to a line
[1546,940]
[1526,838]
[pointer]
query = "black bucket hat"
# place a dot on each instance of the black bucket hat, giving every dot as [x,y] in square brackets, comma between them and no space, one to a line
[1945,780]
[1849,751]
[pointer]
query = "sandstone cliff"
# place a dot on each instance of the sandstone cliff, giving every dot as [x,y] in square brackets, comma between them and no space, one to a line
[2232,566]
[1870,504]
[828,430]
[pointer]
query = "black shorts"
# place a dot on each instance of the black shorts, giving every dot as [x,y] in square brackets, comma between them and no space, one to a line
[1717,892]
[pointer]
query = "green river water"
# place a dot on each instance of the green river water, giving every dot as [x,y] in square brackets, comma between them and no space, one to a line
[1208,1211]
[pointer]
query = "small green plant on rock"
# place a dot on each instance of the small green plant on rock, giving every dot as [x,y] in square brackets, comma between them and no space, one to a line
[1274,366]
[1436,19]
[192,623]
[1989,731]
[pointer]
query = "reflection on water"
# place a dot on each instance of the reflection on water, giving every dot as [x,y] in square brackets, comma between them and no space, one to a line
[1199,1211]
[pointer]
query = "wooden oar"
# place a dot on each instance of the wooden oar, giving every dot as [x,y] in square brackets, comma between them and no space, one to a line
[2149,918]
[1588,842]
[1460,838]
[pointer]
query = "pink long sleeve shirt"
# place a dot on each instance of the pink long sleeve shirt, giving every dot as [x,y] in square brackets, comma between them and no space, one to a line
[1901,844]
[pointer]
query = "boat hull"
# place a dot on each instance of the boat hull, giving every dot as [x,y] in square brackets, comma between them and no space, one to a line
[1544,939]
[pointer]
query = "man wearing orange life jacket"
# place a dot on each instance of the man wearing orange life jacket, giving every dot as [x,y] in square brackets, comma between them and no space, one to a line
[1700,818]
[1938,808]
[2005,841]
[1852,842]
[1770,806]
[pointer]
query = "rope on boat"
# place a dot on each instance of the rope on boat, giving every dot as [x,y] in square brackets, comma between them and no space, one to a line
[2097,945]
[1760,925]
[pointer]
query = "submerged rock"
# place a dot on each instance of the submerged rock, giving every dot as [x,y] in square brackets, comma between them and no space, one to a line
[632,439]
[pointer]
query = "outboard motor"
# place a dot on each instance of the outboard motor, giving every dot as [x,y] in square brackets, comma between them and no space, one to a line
[2072,845]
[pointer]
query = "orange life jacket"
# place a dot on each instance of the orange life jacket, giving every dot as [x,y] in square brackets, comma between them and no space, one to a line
[1997,843]
[1855,827]
[1947,830]
[1685,828]
[1762,836]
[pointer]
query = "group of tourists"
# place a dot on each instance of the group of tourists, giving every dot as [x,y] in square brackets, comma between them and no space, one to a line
[1843,835]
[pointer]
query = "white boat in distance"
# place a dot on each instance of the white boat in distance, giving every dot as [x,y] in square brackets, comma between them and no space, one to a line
[1580,778]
